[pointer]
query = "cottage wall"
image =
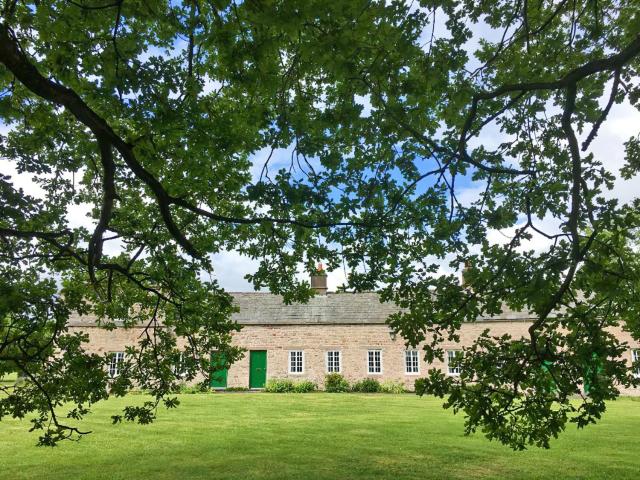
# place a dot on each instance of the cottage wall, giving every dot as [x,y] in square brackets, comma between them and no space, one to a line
[352,340]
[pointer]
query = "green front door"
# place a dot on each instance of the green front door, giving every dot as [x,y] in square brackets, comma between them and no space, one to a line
[591,372]
[218,374]
[257,368]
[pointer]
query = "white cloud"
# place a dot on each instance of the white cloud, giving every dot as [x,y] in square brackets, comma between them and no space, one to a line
[466,196]
[623,122]
[22,180]
[537,242]
[5,128]
[230,269]
[210,85]
[365,101]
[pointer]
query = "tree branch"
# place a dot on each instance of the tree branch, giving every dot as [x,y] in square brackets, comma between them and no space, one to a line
[17,62]
[109,196]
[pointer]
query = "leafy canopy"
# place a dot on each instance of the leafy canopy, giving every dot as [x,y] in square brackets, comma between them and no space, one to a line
[166,123]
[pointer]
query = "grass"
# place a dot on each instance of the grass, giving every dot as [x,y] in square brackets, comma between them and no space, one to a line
[314,436]
[9,379]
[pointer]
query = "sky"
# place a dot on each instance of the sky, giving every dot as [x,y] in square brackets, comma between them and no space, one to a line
[622,123]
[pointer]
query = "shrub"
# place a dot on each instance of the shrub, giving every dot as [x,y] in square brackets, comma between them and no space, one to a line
[284,385]
[420,386]
[237,389]
[139,391]
[191,389]
[335,383]
[279,385]
[392,386]
[305,386]
[368,385]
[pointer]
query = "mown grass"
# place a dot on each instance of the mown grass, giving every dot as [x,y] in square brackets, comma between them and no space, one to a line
[314,436]
[9,379]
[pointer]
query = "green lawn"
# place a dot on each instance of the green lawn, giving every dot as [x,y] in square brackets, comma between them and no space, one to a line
[315,436]
[8,379]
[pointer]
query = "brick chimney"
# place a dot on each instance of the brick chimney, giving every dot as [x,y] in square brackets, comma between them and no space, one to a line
[464,280]
[319,280]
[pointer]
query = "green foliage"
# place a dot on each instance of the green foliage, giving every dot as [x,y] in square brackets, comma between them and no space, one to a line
[304,386]
[192,389]
[284,385]
[367,385]
[420,386]
[303,432]
[302,131]
[336,383]
[392,386]
[279,385]
[9,378]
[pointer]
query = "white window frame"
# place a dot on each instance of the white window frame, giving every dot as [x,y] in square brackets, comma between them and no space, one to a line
[369,353]
[115,363]
[635,356]
[339,357]
[178,369]
[453,371]
[411,361]
[291,354]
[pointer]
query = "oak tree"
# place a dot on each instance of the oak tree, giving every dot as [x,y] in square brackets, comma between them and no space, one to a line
[162,122]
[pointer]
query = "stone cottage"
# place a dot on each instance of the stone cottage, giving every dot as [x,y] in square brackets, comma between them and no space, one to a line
[334,332]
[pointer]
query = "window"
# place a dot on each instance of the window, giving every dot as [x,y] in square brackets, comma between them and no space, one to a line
[296,361]
[179,368]
[374,361]
[451,356]
[115,363]
[411,362]
[635,357]
[333,362]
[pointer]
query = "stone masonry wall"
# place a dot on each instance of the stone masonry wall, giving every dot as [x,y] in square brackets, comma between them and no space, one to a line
[353,341]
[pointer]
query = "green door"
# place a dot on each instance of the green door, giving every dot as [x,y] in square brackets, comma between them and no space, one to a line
[257,368]
[218,374]
[591,372]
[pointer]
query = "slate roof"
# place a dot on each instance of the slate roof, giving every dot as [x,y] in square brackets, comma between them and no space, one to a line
[333,308]
[260,308]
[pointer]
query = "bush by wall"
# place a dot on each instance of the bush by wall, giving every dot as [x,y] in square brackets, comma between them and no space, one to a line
[278,385]
[284,385]
[391,386]
[335,383]
[191,389]
[305,386]
[367,385]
